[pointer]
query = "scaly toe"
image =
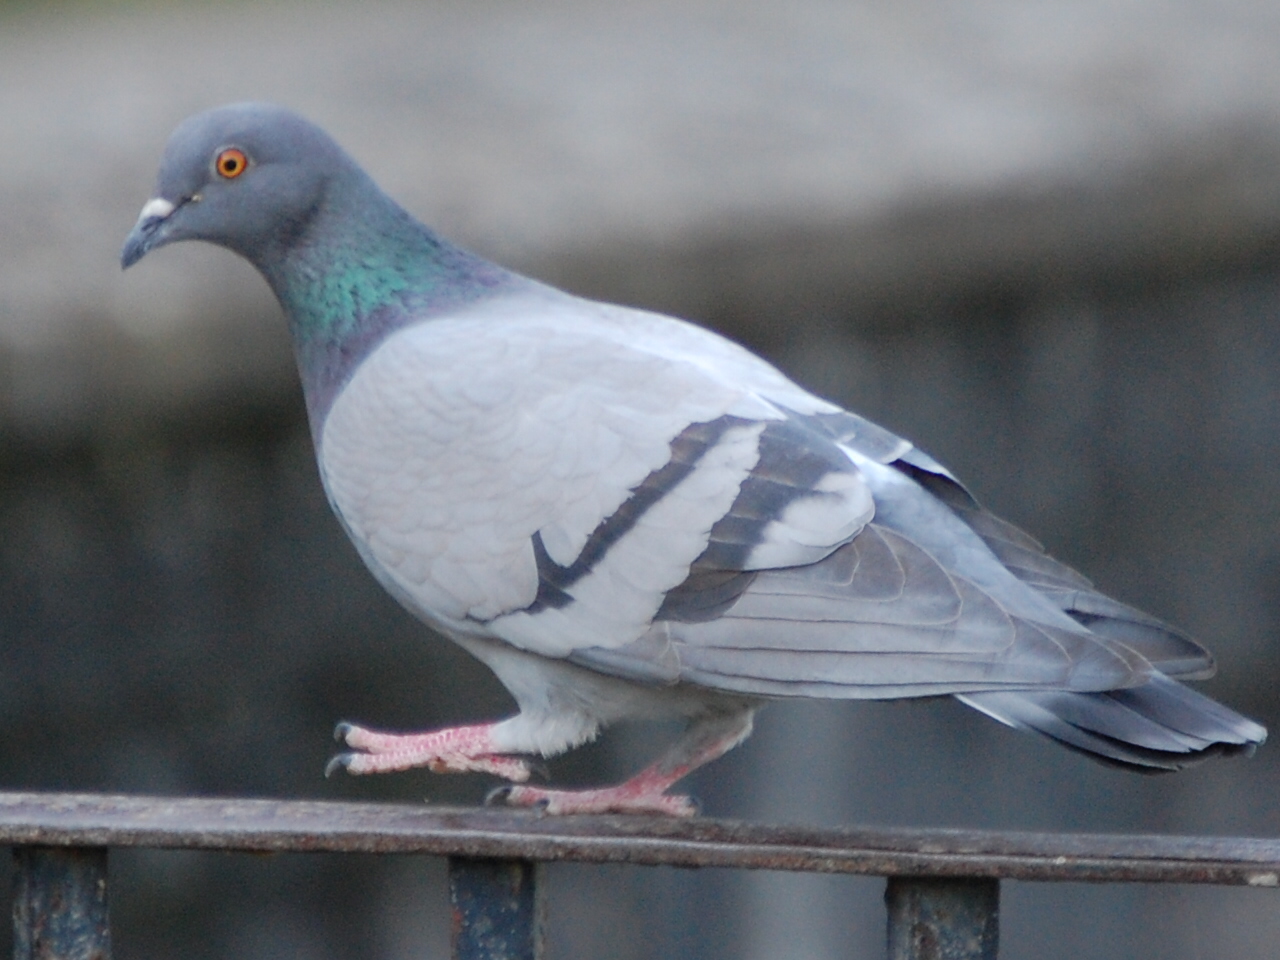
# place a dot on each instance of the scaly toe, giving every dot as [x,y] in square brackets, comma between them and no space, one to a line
[508,768]
[678,805]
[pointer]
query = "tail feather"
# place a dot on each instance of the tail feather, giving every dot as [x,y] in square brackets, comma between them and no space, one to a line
[1160,725]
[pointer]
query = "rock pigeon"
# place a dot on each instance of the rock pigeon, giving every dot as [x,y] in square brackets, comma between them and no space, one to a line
[624,515]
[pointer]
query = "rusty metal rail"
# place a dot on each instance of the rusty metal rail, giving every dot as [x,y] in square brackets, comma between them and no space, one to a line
[942,895]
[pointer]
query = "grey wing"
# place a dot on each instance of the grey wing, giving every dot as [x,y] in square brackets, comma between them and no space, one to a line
[934,595]
[1167,648]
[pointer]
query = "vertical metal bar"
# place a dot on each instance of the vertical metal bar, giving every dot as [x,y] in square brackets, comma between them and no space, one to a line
[60,904]
[497,909]
[943,919]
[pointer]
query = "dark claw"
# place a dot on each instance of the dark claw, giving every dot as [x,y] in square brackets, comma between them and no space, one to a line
[340,761]
[538,767]
[496,796]
[341,730]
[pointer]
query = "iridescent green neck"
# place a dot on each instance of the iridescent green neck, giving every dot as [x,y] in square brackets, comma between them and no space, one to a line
[331,285]
[360,271]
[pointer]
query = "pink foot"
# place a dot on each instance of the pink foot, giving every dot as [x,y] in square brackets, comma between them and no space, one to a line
[454,750]
[646,792]
[618,799]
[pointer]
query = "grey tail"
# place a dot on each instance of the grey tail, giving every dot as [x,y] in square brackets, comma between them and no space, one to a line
[1159,726]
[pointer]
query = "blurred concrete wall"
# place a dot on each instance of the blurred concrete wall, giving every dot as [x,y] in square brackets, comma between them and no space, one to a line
[1041,239]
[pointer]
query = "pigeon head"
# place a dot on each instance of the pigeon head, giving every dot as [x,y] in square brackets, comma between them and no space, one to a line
[250,177]
[347,263]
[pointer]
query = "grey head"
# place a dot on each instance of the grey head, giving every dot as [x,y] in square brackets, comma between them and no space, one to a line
[348,265]
[248,176]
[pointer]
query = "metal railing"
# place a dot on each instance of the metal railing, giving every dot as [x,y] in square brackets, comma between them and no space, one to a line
[942,894]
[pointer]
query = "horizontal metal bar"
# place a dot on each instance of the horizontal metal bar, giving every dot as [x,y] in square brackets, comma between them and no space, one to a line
[273,825]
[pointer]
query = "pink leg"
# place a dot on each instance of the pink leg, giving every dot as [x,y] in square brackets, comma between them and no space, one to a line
[453,750]
[646,792]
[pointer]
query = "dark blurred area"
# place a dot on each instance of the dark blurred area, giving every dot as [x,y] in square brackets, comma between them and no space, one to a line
[1041,240]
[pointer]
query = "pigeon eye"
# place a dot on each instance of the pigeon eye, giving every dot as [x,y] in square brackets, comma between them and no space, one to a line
[230,163]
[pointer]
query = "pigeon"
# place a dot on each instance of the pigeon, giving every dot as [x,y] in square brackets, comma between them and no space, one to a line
[627,516]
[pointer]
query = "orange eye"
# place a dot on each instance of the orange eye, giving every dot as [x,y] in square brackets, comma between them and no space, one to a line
[230,163]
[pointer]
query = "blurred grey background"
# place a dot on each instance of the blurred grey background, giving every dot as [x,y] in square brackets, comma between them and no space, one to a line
[1039,237]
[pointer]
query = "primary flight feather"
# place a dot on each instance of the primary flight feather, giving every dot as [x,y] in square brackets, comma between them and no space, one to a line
[626,516]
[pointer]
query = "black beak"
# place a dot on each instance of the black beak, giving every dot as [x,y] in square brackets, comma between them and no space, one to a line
[147,233]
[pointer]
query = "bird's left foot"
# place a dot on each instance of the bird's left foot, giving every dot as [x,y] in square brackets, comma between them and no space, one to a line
[625,798]
[454,750]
